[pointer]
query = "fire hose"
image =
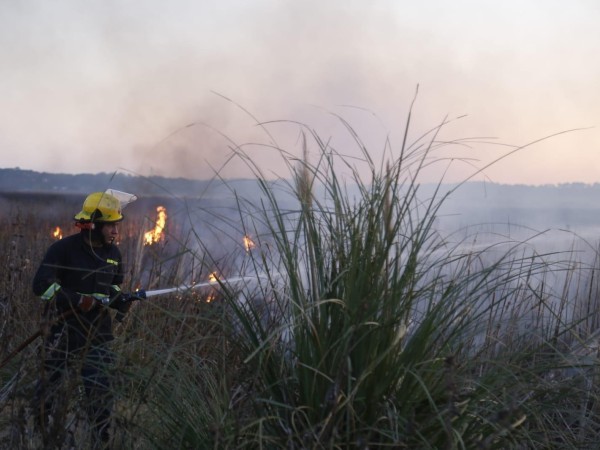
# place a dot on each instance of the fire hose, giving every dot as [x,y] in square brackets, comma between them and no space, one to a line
[139,294]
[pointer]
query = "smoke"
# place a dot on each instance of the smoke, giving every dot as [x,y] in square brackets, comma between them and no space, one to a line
[116,79]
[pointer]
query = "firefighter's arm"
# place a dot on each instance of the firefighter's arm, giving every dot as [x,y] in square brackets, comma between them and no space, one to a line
[46,281]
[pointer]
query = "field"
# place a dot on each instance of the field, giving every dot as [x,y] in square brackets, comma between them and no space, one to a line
[359,325]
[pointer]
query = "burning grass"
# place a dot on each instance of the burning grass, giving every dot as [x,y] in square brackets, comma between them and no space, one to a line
[363,326]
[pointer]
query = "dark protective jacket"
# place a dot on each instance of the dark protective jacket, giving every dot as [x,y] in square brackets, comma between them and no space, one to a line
[78,268]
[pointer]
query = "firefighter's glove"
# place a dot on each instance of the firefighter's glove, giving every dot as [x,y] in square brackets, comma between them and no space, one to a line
[139,294]
[86,303]
[123,304]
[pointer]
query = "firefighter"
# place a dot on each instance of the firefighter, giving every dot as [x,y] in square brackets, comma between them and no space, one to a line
[78,280]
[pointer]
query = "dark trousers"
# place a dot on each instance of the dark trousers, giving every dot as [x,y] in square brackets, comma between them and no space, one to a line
[67,351]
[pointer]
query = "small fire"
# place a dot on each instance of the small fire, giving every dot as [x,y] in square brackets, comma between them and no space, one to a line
[248,243]
[156,235]
[57,233]
[212,278]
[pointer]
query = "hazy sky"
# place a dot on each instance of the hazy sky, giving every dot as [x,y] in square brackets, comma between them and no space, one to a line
[104,86]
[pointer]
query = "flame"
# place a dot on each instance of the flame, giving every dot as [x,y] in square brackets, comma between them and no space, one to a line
[156,235]
[57,233]
[212,277]
[248,243]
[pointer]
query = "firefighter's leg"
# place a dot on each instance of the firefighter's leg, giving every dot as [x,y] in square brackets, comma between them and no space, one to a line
[55,357]
[97,383]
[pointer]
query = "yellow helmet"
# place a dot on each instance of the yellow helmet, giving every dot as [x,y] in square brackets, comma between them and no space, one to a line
[100,207]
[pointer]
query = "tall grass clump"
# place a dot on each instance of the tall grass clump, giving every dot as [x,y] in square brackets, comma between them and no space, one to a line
[380,332]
